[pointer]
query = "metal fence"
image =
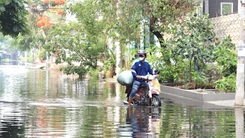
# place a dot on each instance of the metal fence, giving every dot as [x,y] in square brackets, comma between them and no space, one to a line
[228,26]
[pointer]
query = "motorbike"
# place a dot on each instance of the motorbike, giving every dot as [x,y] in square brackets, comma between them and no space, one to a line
[146,95]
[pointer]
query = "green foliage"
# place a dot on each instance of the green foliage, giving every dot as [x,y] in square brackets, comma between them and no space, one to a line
[192,41]
[123,20]
[164,14]
[12,17]
[226,84]
[6,60]
[226,56]
[212,73]
[42,54]
[110,60]
[200,80]
[5,42]
[72,69]
[98,21]
[167,74]
[34,39]
[29,58]
[27,42]
[94,73]
[159,59]
[219,72]
[192,57]
[72,45]
[191,48]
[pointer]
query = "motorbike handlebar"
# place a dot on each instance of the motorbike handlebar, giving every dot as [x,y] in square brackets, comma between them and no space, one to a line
[149,77]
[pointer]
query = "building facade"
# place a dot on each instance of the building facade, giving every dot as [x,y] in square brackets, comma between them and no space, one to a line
[216,8]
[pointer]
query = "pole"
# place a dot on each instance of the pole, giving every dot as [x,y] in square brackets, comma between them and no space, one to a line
[142,34]
[147,33]
[240,78]
[239,97]
[117,43]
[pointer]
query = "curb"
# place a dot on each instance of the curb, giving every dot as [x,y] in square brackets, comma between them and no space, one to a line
[198,96]
[203,99]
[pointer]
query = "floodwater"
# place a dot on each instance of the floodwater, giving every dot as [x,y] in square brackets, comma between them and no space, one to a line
[46,104]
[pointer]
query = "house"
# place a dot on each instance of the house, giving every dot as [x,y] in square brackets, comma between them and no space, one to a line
[216,8]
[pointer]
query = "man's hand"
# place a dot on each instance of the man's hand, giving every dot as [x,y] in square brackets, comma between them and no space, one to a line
[144,77]
[141,77]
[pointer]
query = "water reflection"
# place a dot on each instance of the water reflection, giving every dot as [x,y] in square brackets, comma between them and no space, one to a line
[44,104]
[12,120]
[141,122]
[239,114]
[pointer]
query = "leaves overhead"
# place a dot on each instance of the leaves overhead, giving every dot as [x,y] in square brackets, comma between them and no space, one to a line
[126,16]
[12,17]
[97,22]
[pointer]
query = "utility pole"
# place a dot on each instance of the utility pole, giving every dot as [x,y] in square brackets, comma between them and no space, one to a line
[239,97]
[142,34]
[117,43]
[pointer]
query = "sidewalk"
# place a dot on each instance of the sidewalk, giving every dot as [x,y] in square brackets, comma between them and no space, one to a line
[204,99]
[227,103]
[207,100]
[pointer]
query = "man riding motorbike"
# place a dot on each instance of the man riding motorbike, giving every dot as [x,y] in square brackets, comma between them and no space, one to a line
[139,71]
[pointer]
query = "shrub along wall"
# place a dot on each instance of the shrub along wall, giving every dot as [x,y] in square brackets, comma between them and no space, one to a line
[190,74]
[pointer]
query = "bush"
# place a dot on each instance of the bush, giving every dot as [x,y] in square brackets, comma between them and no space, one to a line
[226,58]
[226,84]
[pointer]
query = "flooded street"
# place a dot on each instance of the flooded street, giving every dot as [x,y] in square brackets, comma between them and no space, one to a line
[46,104]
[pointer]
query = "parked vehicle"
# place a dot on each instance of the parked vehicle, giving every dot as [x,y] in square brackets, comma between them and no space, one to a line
[146,96]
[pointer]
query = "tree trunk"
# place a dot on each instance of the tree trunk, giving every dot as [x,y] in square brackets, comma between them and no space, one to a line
[156,33]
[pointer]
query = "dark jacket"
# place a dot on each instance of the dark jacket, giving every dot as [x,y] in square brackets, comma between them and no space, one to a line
[142,69]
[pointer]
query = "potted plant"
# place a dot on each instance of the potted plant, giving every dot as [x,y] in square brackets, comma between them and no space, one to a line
[109,64]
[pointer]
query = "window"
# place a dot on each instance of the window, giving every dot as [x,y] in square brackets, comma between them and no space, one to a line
[226,8]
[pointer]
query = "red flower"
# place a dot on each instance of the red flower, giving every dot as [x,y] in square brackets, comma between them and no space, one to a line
[44,22]
[59,2]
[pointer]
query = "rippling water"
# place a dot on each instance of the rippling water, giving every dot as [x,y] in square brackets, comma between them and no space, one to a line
[47,104]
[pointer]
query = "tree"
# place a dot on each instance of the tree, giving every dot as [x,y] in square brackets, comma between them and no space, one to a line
[71,44]
[39,22]
[162,15]
[12,17]
[76,44]
[193,41]
[98,21]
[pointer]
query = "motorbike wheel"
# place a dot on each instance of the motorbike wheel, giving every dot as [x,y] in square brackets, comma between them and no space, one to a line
[155,100]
